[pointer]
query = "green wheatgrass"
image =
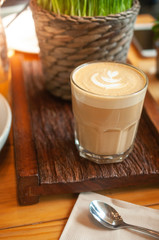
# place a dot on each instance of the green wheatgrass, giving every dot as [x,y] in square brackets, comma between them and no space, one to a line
[86,7]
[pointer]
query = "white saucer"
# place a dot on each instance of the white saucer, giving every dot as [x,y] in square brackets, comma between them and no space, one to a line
[21,33]
[5,120]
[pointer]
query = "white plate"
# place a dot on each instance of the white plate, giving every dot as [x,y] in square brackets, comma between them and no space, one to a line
[20,33]
[5,120]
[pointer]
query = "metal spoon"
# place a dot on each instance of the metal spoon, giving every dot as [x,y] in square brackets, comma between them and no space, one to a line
[110,218]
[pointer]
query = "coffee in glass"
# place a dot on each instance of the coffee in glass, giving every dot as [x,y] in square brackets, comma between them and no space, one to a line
[107,101]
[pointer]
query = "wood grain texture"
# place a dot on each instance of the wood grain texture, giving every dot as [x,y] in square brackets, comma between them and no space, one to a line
[26,164]
[40,231]
[59,167]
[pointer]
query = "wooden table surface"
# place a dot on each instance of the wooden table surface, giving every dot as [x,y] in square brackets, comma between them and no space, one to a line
[46,219]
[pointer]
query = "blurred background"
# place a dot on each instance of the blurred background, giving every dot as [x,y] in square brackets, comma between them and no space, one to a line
[13,6]
[150,7]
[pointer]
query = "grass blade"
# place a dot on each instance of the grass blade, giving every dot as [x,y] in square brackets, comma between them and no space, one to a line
[86,7]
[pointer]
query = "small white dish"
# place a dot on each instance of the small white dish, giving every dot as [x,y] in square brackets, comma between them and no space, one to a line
[5,120]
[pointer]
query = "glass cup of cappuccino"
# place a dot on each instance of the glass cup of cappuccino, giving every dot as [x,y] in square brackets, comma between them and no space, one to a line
[107,101]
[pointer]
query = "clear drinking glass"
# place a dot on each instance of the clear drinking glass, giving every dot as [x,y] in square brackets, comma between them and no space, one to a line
[106,124]
[5,71]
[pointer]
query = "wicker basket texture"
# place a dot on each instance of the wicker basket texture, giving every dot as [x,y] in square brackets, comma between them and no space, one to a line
[68,41]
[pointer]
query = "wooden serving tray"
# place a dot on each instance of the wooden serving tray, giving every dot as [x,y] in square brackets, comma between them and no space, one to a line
[46,158]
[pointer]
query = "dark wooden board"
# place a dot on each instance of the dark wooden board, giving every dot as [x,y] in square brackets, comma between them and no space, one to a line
[46,158]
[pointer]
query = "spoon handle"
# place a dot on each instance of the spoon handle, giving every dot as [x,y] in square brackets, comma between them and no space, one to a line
[147,231]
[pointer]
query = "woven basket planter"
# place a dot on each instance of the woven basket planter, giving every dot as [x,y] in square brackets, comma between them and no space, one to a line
[68,41]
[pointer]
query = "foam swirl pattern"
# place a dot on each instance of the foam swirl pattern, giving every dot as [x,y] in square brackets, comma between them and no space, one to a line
[106,81]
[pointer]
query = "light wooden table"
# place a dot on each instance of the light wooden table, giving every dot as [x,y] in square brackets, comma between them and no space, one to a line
[47,219]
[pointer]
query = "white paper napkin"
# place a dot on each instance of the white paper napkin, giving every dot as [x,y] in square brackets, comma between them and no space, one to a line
[82,226]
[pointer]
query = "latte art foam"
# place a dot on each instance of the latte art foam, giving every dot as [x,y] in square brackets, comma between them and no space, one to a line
[110,83]
[109,79]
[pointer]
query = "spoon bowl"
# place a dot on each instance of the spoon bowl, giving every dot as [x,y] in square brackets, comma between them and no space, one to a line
[110,218]
[105,214]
